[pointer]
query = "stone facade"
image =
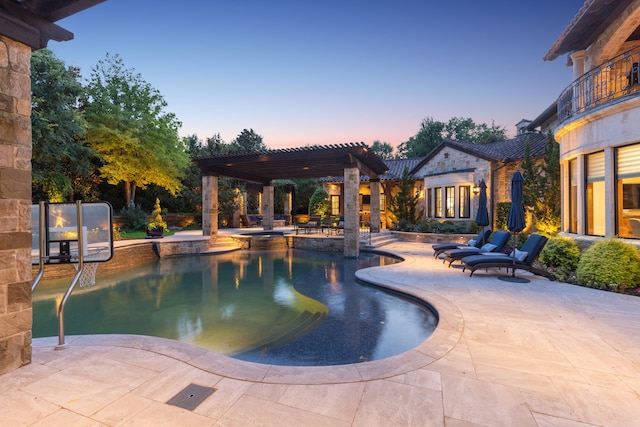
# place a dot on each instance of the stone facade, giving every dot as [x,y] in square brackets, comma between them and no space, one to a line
[15,205]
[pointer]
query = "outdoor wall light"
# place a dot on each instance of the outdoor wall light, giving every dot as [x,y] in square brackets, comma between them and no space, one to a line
[476,189]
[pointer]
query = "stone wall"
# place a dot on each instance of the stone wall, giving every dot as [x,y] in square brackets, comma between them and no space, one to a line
[15,205]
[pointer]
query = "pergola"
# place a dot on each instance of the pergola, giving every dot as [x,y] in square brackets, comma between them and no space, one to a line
[264,167]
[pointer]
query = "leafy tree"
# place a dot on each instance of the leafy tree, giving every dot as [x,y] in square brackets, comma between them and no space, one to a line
[542,187]
[303,190]
[61,160]
[319,203]
[384,150]
[429,136]
[433,132]
[248,141]
[404,204]
[136,139]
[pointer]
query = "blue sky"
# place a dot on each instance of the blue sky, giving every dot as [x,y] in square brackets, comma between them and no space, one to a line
[303,73]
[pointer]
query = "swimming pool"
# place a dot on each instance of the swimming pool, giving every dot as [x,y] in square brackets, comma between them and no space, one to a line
[289,307]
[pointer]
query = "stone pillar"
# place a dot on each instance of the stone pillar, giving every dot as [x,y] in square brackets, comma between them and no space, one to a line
[210,207]
[243,201]
[374,186]
[267,207]
[15,205]
[351,213]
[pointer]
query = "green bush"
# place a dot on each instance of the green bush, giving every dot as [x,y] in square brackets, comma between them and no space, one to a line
[560,256]
[156,218]
[423,226]
[134,218]
[319,203]
[610,264]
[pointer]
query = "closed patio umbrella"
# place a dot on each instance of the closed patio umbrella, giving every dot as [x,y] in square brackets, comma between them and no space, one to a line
[482,216]
[516,221]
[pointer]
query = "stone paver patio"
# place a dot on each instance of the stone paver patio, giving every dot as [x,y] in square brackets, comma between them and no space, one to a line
[504,354]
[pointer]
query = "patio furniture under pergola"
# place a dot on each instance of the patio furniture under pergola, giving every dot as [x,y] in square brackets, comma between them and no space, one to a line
[349,160]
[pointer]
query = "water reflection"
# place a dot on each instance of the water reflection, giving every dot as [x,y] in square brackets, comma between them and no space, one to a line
[283,307]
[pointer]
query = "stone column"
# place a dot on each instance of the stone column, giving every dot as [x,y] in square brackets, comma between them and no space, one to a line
[267,207]
[374,186]
[15,205]
[351,215]
[210,207]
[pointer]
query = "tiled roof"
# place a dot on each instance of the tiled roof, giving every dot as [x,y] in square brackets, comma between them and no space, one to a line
[395,166]
[508,150]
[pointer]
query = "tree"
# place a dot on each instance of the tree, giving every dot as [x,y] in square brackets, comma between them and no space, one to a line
[429,136]
[248,141]
[61,161]
[433,132]
[384,150]
[542,187]
[319,203]
[136,139]
[404,204]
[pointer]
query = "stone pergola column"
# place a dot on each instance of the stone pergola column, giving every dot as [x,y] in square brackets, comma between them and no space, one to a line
[351,212]
[374,186]
[267,207]
[15,205]
[210,207]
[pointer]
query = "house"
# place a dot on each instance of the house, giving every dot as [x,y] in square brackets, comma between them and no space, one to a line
[598,121]
[452,172]
[447,180]
[389,187]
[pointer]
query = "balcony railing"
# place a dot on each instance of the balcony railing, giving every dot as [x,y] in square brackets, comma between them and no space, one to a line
[612,80]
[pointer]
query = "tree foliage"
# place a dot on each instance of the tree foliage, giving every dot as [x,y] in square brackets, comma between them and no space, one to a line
[136,139]
[542,187]
[404,205]
[384,150]
[433,132]
[248,141]
[61,161]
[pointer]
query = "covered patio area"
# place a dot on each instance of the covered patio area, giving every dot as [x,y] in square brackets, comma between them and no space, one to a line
[349,160]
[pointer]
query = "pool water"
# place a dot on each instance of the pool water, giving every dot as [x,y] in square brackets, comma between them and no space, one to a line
[289,307]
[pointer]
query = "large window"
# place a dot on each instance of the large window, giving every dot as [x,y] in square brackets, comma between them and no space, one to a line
[628,191]
[464,202]
[438,202]
[450,194]
[429,203]
[335,205]
[573,196]
[595,194]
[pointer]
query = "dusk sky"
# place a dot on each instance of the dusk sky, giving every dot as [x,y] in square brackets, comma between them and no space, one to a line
[304,73]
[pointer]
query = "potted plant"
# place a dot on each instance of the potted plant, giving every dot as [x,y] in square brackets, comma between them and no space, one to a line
[156,227]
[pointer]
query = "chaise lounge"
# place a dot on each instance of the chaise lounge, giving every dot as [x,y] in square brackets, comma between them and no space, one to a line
[497,242]
[481,239]
[524,258]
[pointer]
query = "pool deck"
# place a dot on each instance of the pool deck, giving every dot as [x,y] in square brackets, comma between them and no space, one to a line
[504,354]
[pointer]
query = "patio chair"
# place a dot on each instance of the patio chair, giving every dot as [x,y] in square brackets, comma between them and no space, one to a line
[314,224]
[497,242]
[525,257]
[481,239]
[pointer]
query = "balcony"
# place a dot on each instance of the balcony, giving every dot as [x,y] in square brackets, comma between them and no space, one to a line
[611,81]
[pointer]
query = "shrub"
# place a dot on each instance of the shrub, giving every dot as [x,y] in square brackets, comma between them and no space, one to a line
[423,226]
[610,264]
[156,218]
[319,203]
[134,218]
[560,256]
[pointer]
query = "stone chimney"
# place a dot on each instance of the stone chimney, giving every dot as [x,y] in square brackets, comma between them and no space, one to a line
[521,126]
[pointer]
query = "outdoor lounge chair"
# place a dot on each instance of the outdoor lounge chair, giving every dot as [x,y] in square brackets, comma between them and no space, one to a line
[524,258]
[497,242]
[481,239]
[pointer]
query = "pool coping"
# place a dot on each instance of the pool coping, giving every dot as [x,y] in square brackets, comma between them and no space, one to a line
[446,335]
